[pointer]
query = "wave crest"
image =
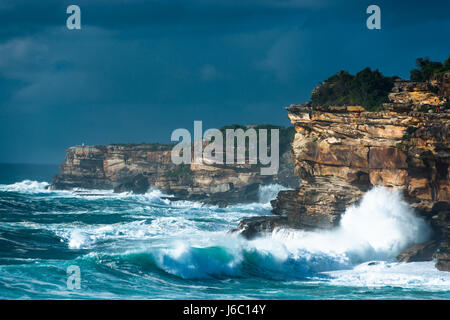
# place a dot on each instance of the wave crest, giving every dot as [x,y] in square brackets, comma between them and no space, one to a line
[25,186]
[377,229]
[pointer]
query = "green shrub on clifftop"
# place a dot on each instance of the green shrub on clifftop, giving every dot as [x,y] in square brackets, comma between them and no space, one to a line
[367,88]
[427,69]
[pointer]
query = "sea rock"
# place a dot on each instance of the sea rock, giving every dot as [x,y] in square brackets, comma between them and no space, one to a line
[419,252]
[442,257]
[253,226]
[441,222]
[138,184]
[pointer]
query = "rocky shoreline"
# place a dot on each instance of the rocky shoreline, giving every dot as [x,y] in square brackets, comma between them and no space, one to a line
[337,154]
[138,167]
[340,152]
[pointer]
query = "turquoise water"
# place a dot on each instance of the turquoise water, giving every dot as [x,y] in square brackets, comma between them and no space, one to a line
[148,247]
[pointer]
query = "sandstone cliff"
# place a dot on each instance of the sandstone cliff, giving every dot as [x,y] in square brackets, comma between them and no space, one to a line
[340,152]
[138,167]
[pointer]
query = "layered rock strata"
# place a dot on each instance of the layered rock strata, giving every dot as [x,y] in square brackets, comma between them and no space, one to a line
[137,168]
[340,152]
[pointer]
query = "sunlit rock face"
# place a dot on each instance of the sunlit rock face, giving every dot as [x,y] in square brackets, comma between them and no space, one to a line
[139,167]
[340,152]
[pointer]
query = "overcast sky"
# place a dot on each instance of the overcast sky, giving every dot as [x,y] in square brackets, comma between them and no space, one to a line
[139,69]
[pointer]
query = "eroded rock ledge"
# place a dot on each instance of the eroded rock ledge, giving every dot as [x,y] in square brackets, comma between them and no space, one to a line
[340,152]
[139,167]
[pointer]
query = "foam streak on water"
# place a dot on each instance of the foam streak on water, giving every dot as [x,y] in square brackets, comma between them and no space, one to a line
[147,246]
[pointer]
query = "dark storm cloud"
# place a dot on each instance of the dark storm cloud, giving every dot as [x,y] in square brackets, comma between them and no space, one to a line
[139,69]
[119,14]
[21,17]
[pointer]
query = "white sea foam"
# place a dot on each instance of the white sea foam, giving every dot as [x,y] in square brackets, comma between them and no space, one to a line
[269,192]
[85,236]
[377,229]
[422,275]
[153,195]
[192,239]
[26,186]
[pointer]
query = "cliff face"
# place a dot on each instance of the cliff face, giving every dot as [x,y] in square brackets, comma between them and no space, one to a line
[139,167]
[340,152]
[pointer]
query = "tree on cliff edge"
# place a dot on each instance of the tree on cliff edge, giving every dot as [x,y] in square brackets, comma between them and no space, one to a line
[367,88]
[426,69]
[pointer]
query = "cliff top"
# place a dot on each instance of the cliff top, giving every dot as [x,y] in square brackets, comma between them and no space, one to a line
[429,87]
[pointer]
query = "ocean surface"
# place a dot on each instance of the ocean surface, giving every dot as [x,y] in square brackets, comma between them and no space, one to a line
[130,246]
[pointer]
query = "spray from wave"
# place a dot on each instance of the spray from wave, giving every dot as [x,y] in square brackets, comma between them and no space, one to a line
[25,186]
[377,229]
[381,226]
[191,240]
[269,192]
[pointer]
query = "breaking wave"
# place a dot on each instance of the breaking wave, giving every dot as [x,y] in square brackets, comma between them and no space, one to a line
[378,228]
[26,186]
[152,236]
